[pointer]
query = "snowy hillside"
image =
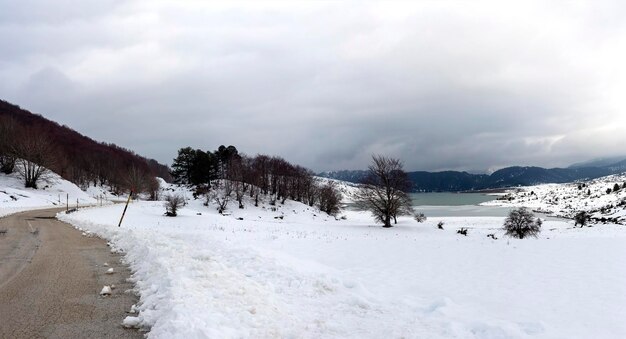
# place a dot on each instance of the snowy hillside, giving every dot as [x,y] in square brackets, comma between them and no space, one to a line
[346,188]
[565,200]
[14,197]
[289,271]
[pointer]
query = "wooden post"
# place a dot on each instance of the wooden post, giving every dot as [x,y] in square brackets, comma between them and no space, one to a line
[67,202]
[125,207]
[76,203]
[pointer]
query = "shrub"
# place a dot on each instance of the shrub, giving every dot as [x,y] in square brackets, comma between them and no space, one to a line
[419,217]
[581,218]
[440,225]
[172,204]
[521,223]
[462,231]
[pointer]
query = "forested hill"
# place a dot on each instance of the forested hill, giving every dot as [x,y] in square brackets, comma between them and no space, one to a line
[454,181]
[72,155]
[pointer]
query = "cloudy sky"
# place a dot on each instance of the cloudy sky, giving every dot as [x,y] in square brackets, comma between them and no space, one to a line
[468,85]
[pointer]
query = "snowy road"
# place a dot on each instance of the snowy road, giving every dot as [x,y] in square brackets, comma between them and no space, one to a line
[50,276]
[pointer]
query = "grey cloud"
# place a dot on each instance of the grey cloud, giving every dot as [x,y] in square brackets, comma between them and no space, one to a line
[439,84]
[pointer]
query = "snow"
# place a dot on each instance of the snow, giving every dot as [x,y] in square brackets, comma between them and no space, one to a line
[52,193]
[565,200]
[106,290]
[131,322]
[309,275]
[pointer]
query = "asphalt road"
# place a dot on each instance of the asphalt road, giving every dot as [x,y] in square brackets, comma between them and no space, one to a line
[50,279]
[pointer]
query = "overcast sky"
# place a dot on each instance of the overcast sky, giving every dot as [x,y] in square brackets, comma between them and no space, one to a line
[468,85]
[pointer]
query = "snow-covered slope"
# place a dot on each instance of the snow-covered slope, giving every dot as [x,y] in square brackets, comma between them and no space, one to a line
[52,193]
[346,188]
[289,271]
[565,200]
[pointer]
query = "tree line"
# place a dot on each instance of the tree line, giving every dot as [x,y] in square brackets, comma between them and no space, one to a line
[237,175]
[32,145]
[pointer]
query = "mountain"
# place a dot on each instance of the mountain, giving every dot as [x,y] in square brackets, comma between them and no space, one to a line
[355,176]
[73,156]
[446,181]
[454,181]
[599,162]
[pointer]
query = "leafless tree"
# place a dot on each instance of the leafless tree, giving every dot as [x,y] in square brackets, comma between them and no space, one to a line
[136,180]
[329,198]
[236,173]
[383,191]
[153,187]
[521,223]
[221,195]
[8,138]
[36,154]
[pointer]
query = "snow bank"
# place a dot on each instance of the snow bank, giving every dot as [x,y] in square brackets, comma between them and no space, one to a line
[52,193]
[307,275]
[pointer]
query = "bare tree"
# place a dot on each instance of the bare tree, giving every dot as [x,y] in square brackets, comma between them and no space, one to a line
[221,196]
[36,155]
[136,180]
[329,198]
[8,131]
[521,223]
[383,191]
[153,188]
[236,172]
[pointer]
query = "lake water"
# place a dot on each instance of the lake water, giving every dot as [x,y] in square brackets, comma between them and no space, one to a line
[456,205]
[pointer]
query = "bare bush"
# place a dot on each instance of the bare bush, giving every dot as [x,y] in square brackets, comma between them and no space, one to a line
[172,204]
[581,218]
[419,217]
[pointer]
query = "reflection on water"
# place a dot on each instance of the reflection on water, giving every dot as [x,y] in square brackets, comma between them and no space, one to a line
[449,199]
[463,211]
[456,205]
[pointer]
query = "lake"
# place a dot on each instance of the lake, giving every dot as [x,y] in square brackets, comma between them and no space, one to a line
[456,205]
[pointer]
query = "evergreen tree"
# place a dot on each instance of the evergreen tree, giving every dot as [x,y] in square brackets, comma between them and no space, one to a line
[182,165]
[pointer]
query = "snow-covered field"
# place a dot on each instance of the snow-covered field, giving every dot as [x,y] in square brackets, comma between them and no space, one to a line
[52,193]
[565,200]
[298,273]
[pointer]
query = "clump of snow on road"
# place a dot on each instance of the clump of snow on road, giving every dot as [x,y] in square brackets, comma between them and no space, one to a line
[51,193]
[290,271]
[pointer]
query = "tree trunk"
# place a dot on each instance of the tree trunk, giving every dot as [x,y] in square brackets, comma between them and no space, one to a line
[387,221]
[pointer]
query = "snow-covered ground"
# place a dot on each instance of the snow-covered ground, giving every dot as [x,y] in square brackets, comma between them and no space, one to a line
[294,272]
[565,200]
[52,193]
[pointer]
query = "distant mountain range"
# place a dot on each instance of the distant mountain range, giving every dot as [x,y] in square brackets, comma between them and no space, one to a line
[454,181]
